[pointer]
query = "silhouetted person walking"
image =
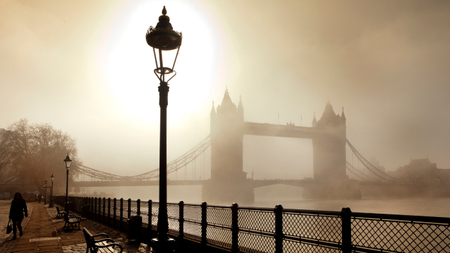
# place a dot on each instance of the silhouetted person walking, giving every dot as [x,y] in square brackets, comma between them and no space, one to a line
[18,207]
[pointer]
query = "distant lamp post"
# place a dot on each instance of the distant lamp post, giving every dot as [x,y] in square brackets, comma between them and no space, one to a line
[163,38]
[67,162]
[51,191]
[45,192]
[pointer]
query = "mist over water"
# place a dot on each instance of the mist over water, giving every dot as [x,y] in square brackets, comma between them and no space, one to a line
[188,194]
[290,197]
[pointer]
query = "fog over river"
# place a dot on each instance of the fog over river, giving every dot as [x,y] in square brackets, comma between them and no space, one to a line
[290,197]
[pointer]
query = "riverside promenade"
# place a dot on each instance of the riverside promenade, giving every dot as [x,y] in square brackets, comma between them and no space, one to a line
[42,232]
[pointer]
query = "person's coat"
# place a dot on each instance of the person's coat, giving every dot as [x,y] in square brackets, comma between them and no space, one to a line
[18,207]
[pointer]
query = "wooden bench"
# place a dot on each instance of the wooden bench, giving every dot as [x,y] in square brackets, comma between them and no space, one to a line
[103,244]
[72,221]
[60,214]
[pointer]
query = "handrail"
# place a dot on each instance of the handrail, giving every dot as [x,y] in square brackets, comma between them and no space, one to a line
[291,230]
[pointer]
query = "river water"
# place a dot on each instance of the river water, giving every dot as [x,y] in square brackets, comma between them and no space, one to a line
[439,207]
[291,197]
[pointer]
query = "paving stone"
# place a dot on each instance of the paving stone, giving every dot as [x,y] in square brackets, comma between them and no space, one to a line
[42,232]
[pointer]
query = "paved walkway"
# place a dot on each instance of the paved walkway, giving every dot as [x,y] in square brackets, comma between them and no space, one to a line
[44,233]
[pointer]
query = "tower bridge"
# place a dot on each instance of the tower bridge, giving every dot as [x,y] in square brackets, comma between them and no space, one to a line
[229,183]
[228,179]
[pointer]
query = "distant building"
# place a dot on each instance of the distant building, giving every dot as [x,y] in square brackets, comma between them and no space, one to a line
[422,171]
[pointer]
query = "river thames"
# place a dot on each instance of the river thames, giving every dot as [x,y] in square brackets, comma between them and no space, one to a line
[290,197]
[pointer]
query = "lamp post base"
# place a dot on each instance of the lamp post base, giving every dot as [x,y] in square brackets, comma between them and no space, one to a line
[166,246]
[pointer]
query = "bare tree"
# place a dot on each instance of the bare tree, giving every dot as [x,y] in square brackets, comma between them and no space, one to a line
[35,152]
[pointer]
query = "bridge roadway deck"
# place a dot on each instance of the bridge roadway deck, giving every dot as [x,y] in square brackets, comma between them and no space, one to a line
[255,183]
[264,129]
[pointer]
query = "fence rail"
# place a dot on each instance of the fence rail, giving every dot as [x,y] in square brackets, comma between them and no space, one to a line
[248,229]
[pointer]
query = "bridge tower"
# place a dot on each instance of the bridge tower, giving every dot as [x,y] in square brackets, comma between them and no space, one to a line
[329,156]
[228,180]
[329,159]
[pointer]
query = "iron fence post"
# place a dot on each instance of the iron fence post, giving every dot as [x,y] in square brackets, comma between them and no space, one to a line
[138,208]
[98,209]
[91,207]
[181,220]
[109,210]
[346,230]
[95,208]
[104,205]
[121,214]
[115,212]
[234,228]
[129,208]
[204,224]
[150,218]
[279,229]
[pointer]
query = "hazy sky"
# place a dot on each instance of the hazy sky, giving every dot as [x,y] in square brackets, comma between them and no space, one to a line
[85,68]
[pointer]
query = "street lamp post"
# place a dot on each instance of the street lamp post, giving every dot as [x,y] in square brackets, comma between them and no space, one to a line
[67,162]
[163,38]
[51,191]
[45,192]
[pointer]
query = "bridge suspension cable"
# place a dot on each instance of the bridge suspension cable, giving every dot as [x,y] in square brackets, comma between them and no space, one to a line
[377,172]
[97,174]
[359,174]
[178,163]
[173,166]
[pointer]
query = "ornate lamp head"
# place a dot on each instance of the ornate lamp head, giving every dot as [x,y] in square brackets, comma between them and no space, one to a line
[67,161]
[163,38]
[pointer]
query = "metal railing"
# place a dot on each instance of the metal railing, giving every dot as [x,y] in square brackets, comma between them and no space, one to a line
[249,229]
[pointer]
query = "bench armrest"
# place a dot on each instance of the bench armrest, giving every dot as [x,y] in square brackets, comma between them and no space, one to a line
[100,235]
